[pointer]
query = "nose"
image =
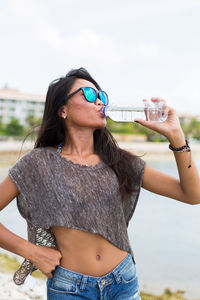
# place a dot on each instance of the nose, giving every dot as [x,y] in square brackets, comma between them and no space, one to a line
[98,102]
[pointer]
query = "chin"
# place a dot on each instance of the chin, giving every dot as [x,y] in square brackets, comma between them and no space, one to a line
[101,125]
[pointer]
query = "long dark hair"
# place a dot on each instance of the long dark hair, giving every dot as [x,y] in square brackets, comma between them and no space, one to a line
[52,131]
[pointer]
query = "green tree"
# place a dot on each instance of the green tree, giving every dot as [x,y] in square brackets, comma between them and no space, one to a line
[32,121]
[120,127]
[186,129]
[134,128]
[194,128]
[1,124]
[191,129]
[14,128]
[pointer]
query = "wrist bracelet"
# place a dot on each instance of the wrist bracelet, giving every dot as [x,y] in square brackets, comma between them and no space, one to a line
[184,148]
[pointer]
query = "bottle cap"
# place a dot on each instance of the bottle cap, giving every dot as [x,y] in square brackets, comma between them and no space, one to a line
[104,111]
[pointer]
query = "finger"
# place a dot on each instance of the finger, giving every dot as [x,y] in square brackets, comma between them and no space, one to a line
[168,110]
[145,108]
[165,110]
[49,275]
[148,124]
[157,99]
[146,102]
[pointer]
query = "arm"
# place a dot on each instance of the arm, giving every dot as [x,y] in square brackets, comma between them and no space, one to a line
[44,258]
[187,188]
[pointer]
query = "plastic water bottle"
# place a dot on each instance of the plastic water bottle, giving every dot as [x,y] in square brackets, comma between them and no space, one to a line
[130,113]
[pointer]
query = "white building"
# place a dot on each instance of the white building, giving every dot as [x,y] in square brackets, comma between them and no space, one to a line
[19,105]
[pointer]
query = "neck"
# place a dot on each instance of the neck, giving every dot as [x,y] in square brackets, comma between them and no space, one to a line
[79,143]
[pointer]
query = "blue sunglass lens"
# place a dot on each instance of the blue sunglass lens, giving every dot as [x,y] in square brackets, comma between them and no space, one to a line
[104,98]
[90,94]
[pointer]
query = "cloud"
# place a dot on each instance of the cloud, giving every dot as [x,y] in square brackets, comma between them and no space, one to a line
[139,49]
[142,50]
[95,47]
[85,44]
[22,8]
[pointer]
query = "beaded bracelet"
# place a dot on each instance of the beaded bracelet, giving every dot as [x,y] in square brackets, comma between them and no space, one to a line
[184,148]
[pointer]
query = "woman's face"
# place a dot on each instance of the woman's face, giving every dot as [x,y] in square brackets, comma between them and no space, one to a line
[81,113]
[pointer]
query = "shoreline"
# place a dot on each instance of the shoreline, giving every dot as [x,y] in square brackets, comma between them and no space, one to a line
[11,151]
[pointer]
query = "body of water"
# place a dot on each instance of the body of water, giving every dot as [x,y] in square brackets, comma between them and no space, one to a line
[164,234]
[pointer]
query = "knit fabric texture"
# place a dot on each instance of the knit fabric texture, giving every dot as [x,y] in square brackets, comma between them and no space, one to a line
[54,191]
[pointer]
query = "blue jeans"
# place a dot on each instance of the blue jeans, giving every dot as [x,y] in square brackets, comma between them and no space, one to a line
[120,284]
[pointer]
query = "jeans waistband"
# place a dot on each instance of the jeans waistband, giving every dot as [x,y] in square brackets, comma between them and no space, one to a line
[92,280]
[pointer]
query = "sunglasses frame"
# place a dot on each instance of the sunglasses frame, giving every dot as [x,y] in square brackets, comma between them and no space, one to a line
[82,89]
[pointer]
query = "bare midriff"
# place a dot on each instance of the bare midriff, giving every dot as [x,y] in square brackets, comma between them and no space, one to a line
[85,252]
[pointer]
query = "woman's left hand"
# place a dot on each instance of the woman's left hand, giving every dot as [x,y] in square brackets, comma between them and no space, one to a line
[170,127]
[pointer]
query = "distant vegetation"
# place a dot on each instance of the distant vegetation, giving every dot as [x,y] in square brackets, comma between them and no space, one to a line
[10,264]
[15,129]
[191,128]
[166,295]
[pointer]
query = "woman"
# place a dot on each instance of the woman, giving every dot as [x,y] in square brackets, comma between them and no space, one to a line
[78,190]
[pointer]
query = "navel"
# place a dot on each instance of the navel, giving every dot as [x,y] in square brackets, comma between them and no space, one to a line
[98,257]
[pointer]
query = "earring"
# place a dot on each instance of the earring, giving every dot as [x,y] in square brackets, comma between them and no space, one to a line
[64,117]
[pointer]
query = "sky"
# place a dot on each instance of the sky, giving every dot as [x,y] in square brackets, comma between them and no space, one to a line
[134,49]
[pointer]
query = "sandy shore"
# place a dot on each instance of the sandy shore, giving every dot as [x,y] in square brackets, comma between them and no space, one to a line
[9,290]
[124,141]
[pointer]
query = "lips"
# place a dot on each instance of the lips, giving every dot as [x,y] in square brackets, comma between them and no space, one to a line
[101,111]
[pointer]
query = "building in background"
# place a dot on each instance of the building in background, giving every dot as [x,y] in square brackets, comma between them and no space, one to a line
[14,104]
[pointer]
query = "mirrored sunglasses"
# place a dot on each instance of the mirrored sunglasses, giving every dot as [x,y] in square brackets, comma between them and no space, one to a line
[91,95]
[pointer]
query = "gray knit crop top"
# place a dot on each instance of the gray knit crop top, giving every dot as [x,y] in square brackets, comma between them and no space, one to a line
[54,191]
